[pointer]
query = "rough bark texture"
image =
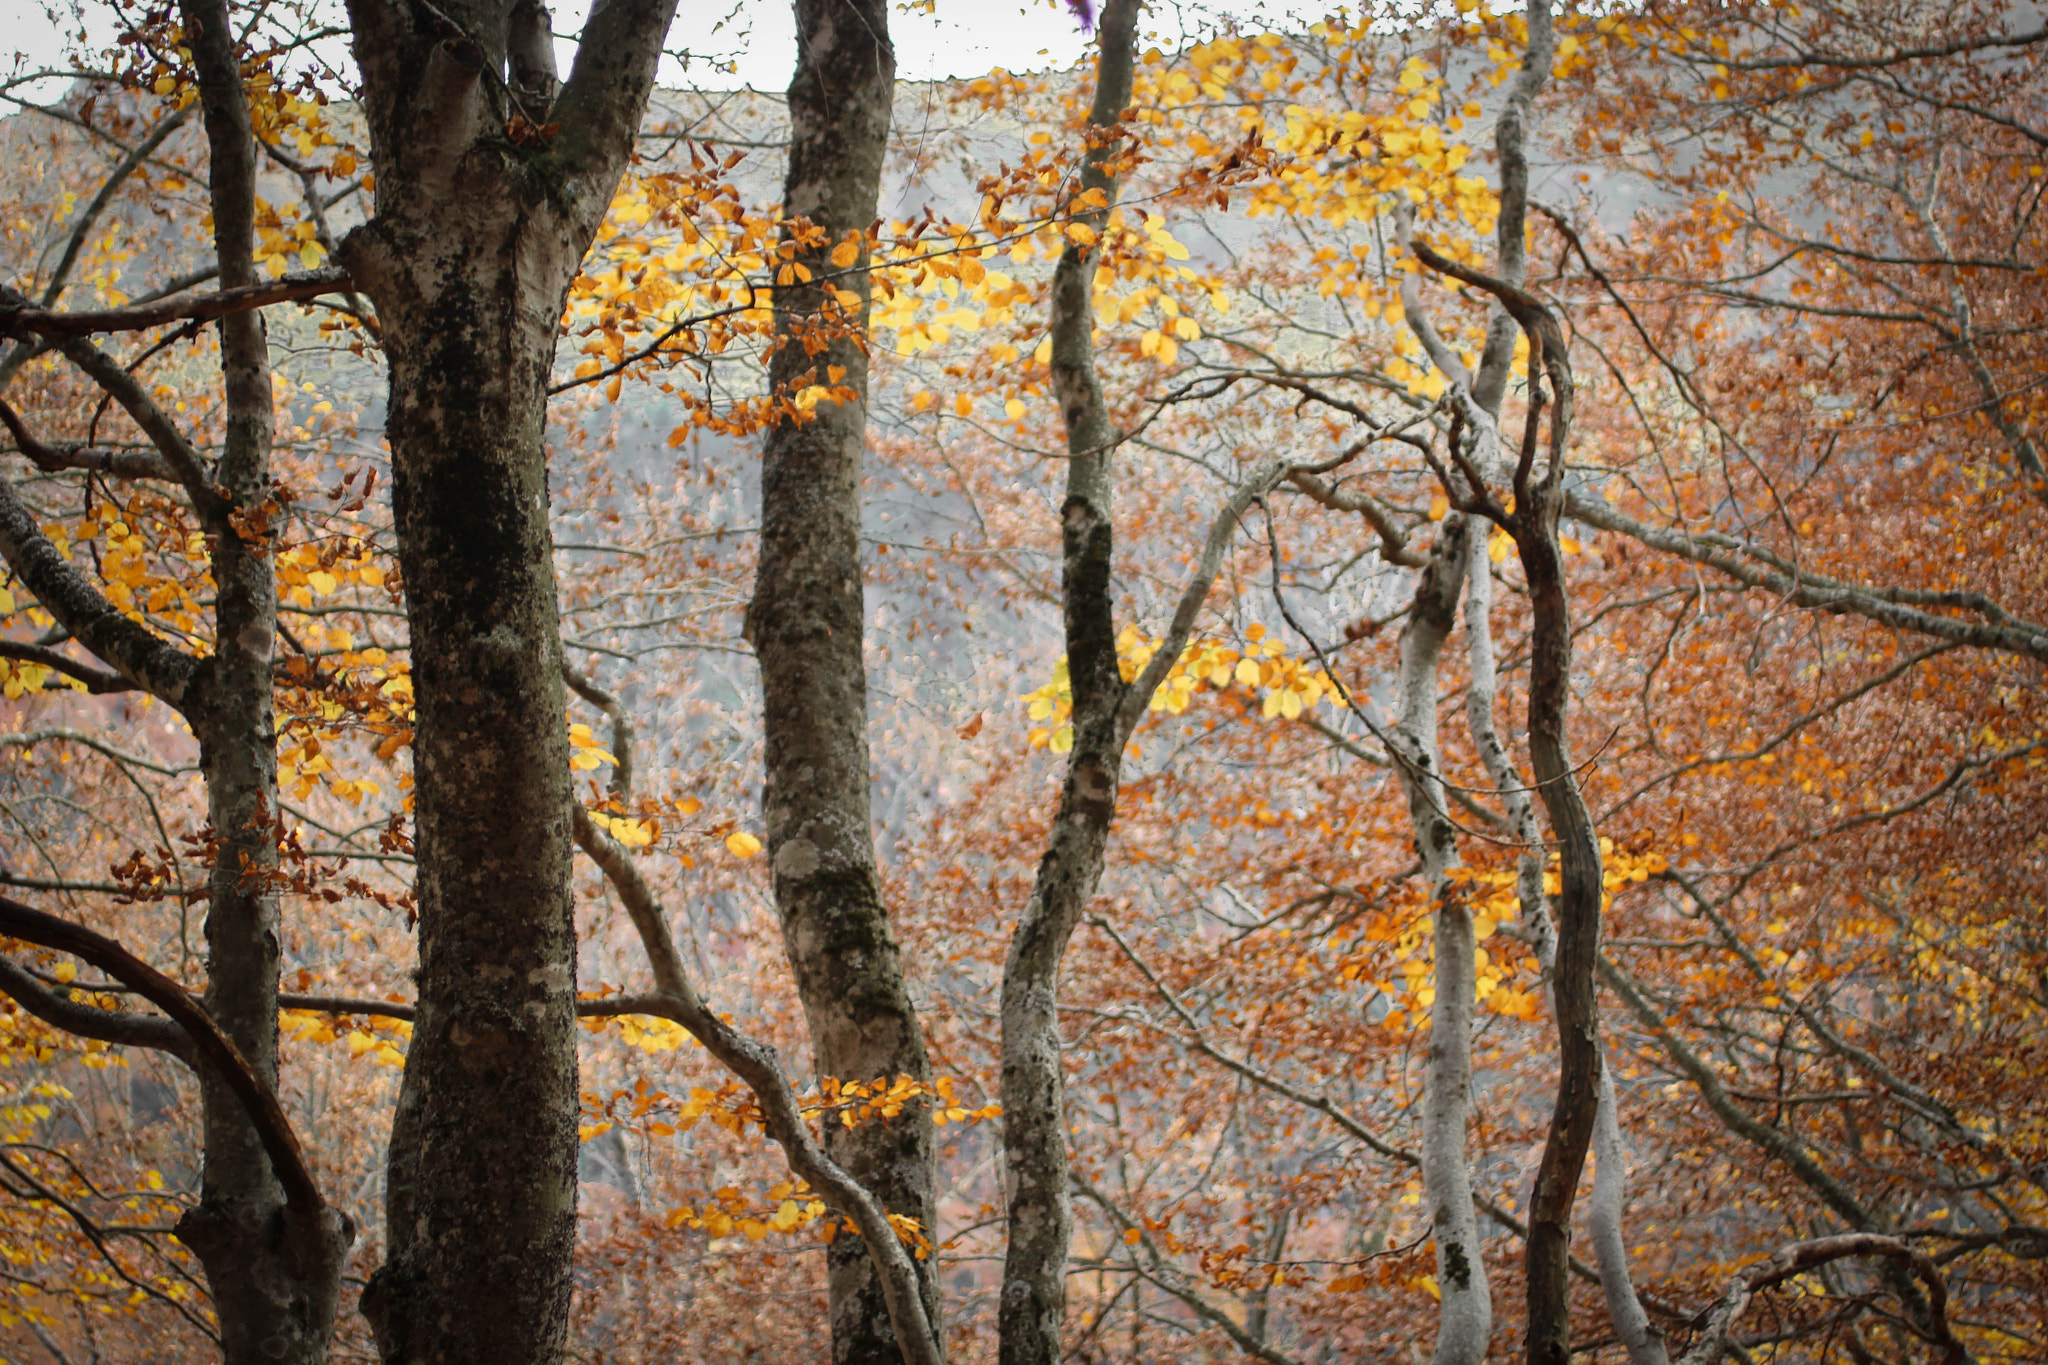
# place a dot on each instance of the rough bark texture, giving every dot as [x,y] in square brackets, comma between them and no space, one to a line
[1035,1182]
[275,1277]
[468,258]
[806,625]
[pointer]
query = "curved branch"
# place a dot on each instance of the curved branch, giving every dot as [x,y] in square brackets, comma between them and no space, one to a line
[153,664]
[58,1010]
[758,1066]
[280,1143]
[1801,1257]
[97,680]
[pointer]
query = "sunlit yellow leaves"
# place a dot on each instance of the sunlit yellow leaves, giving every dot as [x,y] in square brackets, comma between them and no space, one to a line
[586,753]
[1261,663]
[376,1037]
[629,832]
[741,844]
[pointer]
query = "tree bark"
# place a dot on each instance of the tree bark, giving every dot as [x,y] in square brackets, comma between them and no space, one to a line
[468,258]
[1040,1216]
[1465,1322]
[806,623]
[1645,1344]
[275,1274]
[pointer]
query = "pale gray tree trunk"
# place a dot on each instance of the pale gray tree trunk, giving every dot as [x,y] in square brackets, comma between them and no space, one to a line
[468,257]
[1465,1320]
[806,624]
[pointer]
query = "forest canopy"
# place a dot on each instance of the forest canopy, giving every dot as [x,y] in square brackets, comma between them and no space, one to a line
[1359,688]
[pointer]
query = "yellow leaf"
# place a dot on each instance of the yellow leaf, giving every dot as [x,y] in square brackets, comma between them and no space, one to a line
[1132,1236]
[1043,355]
[845,254]
[1497,549]
[963,405]
[1439,507]
[741,844]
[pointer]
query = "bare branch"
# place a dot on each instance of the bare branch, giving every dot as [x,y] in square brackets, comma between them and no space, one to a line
[17,318]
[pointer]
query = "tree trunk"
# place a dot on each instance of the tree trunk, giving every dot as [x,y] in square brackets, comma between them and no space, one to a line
[469,257]
[806,623]
[1465,1323]
[275,1275]
[1040,1216]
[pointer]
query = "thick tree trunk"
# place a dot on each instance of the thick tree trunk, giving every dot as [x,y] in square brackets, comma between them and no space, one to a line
[275,1275]
[806,624]
[481,1201]
[469,258]
[1035,1182]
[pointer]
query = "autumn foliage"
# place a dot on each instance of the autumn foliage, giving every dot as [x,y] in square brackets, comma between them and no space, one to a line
[1796,256]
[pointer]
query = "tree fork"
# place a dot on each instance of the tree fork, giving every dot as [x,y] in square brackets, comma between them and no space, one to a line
[469,257]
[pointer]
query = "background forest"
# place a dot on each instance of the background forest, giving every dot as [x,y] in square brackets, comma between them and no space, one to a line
[1360,689]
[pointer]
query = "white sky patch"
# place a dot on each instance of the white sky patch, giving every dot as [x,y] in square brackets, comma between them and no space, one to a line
[744,42]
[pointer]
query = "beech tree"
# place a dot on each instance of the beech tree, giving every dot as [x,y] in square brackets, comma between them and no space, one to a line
[1536,508]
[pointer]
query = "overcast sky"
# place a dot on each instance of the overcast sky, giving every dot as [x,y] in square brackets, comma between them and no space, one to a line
[961,38]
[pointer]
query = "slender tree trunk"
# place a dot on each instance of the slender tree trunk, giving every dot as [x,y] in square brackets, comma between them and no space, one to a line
[806,623]
[469,257]
[1579,868]
[1465,1322]
[1040,1213]
[1609,1203]
[275,1275]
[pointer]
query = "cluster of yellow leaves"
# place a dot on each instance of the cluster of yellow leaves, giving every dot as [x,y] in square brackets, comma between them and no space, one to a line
[324,568]
[641,826]
[379,1038]
[285,242]
[365,690]
[857,1102]
[789,1207]
[586,753]
[1290,687]
[36,1235]
[1399,947]
[139,540]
